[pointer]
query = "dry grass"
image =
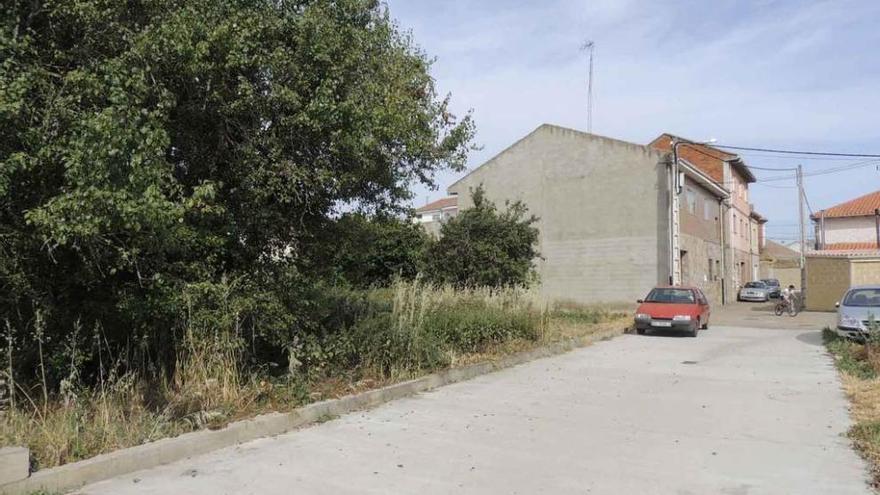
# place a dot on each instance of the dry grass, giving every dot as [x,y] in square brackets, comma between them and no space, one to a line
[209,388]
[859,366]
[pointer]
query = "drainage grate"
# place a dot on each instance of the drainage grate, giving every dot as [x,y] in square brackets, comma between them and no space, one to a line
[688,362]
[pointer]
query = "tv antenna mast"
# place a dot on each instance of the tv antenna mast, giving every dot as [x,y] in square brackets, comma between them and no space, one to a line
[589,46]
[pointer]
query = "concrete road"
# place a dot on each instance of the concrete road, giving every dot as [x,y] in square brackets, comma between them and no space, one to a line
[735,411]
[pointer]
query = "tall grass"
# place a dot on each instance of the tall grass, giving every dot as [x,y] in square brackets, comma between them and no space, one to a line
[859,364]
[370,339]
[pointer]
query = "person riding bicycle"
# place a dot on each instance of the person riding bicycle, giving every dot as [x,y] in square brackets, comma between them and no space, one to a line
[787,294]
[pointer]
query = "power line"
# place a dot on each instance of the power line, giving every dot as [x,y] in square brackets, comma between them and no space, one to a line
[792,152]
[841,168]
[807,201]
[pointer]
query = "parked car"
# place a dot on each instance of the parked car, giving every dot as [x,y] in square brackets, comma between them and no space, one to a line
[858,311]
[773,288]
[756,291]
[673,308]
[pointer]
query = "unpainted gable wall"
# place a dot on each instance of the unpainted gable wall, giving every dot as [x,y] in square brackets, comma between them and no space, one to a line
[602,205]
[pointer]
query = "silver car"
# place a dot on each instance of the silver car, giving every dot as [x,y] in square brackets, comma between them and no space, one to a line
[859,311]
[755,291]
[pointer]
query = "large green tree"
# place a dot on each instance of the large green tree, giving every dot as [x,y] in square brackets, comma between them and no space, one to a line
[148,145]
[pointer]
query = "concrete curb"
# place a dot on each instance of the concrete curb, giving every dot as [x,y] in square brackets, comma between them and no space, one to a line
[74,475]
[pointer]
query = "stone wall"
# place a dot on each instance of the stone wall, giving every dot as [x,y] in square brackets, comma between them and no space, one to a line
[695,269]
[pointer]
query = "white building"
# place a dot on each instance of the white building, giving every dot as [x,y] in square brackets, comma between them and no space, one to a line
[432,215]
[852,225]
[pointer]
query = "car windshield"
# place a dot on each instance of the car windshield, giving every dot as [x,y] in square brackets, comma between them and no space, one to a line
[771,282]
[756,285]
[672,296]
[862,297]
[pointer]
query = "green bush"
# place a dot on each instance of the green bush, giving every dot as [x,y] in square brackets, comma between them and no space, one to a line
[850,357]
[472,327]
[482,247]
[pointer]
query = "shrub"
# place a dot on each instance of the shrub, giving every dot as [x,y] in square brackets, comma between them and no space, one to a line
[482,247]
[371,251]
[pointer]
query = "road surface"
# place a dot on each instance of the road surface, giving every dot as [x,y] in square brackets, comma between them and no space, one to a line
[738,410]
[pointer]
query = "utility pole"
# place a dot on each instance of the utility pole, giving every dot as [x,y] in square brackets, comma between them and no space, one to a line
[803,228]
[590,46]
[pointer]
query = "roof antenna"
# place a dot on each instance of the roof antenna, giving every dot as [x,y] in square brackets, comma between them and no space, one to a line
[591,47]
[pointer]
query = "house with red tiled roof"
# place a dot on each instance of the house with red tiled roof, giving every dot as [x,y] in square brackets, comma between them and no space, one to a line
[853,225]
[432,215]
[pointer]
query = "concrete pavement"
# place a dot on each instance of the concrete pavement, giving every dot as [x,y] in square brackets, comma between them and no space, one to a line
[734,411]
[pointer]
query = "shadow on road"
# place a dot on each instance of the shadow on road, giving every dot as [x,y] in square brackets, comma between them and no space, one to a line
[813,338]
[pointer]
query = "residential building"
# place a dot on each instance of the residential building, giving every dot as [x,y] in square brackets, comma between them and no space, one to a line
[606,214]
[701,236]
[432,215]
[743,227]
[849,226]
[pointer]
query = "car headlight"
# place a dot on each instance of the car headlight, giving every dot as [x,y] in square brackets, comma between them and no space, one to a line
[642,316]
[682,317]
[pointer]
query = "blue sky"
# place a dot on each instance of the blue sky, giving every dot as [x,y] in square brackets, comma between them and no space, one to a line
[782,74]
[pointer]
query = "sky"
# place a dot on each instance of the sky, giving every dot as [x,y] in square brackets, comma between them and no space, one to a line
[780,74]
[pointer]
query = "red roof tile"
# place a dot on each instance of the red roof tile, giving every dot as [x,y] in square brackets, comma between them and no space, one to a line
[849,246]
[859,207]
[706,158]
[440,204]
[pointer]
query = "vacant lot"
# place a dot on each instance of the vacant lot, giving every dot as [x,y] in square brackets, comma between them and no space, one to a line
[737,410]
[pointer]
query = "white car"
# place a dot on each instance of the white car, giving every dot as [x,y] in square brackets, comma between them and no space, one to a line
[755,291]
[858,311]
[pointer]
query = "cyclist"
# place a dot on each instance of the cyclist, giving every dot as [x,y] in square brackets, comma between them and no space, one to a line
[787,293]
[787,297]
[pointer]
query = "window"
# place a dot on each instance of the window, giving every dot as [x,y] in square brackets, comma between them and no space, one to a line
[868,297]
[692,201]
[711,267]
[717,268]
[671,295]
[734,223]
[707,209]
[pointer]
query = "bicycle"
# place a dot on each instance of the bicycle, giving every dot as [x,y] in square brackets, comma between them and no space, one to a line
[786,306]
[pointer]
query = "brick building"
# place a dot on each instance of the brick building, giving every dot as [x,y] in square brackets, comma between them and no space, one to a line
[741,228]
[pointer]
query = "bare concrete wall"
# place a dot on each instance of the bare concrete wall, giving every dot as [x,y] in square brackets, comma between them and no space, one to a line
[827,281]
[602,205]
[865,271]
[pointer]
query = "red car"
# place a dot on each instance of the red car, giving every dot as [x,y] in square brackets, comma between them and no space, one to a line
[673,308]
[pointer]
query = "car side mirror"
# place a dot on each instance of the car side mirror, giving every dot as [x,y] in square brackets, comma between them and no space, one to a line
[640,301]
